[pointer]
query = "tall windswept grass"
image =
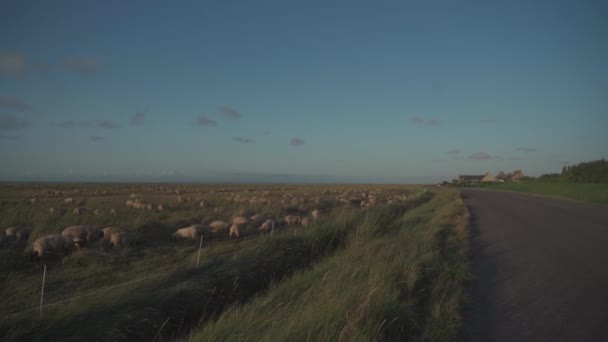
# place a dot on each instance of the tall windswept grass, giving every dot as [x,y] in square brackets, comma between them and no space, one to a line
[399,277]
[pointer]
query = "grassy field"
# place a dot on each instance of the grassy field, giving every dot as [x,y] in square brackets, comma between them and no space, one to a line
[594,193]
[410,246]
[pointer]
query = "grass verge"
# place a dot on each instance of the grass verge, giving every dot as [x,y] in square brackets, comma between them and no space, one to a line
[401,279]
[586,192]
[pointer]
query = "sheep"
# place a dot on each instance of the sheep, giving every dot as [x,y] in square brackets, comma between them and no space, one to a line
[51,211]
[149,207]
[193,232]
[108,231]
[219,226]
[129,203]
[160,208]
[305,221]
[218,210]
[122,239]
[79,211]
[258,219]
[292,220]
[85,233]
[235,230]
[33,200]
[240,220]
[316,214]
[202,204]
[22,233]
[96,212]
[68,200]
[266,226]
[112,212]
[50,244]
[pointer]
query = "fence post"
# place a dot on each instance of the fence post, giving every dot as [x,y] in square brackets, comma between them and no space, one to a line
[42,292]
[272,229]
[200,246]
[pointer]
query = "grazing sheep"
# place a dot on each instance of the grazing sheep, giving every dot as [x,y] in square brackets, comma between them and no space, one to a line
[113,212]
[218,210]
[258,219]
[96,212]
[22,233]
[160,208]
[108,231]
[305,221]
[292,220]
[68,200]
[246,213]
[122,239]
[193,232]
[129,203]
[79,211]
[149,207]
[266,226]
[239,220]
[203,204]
[85,233]
[51,211]
[50,244]
[235,230]
[33,200]
[316,214]
[219,226]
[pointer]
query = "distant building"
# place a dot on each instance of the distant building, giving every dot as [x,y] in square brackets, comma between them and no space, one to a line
[488,178]
[470,178]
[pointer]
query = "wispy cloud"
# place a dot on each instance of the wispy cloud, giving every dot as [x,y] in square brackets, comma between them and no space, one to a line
[243,140]
[82,65]
[416,120]
[12,64]
[96,138]
[11,122]
[480,156]
[296,142]
[202,120]
[107,124]
[454,151]
[138,119]
[525,149]
[13,103]
[230,113]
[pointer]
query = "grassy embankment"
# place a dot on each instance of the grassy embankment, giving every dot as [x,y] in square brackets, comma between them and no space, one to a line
[400,276]
[586,192]
[412,258]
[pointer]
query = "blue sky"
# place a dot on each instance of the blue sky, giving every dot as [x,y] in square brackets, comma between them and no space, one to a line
[307,91]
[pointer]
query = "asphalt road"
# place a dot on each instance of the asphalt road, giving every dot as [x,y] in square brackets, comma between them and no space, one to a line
[540,267]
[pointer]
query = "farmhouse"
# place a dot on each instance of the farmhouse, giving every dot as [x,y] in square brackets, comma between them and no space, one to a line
[488,178]
[470,178]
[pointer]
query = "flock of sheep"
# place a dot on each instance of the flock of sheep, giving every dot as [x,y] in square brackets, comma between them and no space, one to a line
[77,237]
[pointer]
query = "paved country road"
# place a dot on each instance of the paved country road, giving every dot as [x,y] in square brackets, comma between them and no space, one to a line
[541,268]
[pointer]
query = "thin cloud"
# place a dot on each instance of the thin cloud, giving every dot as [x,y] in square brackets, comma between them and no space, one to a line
[243,140]
[416,120]
[205,121]
[454,151]
[525,149]
[230,113]
[138,119]
[82,65]
[12,64]
[432,122]
[11,122]
[13,103]
[107,124]
[96,138]
[480,156]
[85,124]
[296,142]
